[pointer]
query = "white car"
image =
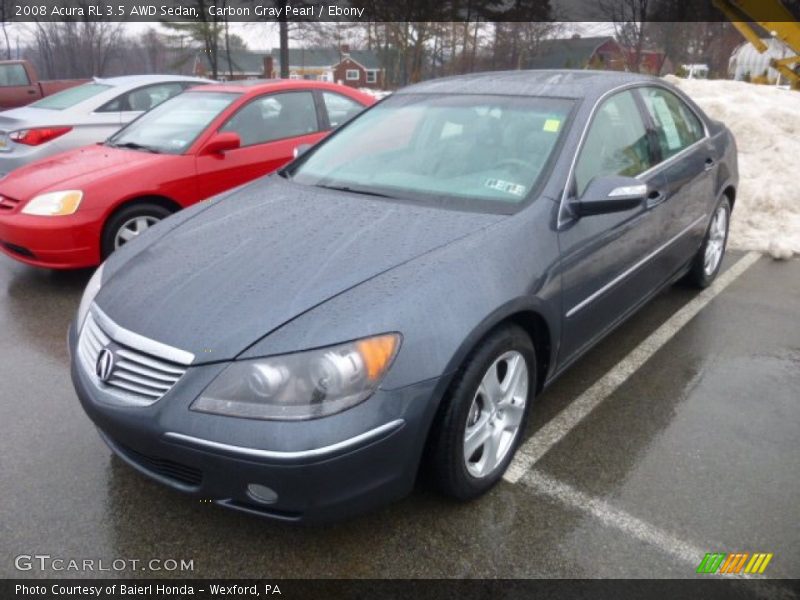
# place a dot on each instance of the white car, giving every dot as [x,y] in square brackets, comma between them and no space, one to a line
[81,115]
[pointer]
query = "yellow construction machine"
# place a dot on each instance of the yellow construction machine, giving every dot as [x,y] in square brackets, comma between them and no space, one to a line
[783,27]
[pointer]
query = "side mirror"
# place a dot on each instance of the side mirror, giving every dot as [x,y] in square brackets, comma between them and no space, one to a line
[609,194]
[301,149]
[222,142]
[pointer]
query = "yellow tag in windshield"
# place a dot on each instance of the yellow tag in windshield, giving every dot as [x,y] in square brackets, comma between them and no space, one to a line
[552,125]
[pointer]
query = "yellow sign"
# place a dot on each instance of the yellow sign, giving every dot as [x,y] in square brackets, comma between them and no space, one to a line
[552,125]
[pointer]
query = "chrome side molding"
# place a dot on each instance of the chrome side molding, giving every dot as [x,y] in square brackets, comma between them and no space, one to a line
[244,452]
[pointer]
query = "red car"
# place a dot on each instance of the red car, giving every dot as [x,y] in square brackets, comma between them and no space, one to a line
[74,209]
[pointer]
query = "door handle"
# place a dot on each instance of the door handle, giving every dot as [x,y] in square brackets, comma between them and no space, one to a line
[31,92]
[710,164]
[655,198]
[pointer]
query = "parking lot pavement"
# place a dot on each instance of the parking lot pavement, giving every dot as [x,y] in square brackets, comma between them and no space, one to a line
[696,451]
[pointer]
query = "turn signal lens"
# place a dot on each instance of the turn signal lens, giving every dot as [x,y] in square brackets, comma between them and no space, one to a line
[377,354]
[40,135]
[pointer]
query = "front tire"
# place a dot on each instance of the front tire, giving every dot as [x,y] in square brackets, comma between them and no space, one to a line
[128,223]
[708,260]
[485,413]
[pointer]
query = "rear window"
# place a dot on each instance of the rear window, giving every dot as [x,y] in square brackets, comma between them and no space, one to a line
[12,75]
[72,96]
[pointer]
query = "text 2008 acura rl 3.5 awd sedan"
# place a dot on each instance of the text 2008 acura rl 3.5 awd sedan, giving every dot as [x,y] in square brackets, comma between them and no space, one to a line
[395,298]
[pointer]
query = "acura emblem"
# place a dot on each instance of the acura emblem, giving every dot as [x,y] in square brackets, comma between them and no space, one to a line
[104,365]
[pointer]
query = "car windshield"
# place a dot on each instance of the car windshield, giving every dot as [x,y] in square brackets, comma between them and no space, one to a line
[72,96]
[480,152]
[171,127]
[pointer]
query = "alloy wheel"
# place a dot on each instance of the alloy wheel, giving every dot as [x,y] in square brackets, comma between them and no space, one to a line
[494,418]
[716,240]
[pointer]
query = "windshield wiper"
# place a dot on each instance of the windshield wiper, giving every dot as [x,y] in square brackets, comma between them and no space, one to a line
[135,146]
[352,190]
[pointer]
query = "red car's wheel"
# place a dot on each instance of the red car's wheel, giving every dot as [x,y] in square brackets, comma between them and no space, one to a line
[130,222]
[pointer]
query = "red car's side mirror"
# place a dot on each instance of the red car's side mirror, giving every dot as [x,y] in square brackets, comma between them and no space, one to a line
[222,142]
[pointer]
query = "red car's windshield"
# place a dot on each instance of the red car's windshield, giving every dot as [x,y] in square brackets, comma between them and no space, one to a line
[171,127]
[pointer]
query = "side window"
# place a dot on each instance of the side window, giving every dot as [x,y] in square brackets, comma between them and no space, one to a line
[143,98]
[12,75]
[616,143]
[274,117]
[340,108]
[677,126]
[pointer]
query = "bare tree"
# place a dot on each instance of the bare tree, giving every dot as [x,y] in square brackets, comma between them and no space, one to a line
[6,8]
[516,43]
[207,30]
[75,48]
[629,18]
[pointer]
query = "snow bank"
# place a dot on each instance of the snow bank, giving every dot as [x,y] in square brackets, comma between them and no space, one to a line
[375,93]
[766,123]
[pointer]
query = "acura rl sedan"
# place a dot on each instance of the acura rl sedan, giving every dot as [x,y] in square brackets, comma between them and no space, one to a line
[75,208]
[394,300]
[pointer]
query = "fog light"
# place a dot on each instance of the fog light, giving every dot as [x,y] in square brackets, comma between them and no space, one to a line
[261,493]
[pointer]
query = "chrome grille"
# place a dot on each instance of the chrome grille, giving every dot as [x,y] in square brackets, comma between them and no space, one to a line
[136,377]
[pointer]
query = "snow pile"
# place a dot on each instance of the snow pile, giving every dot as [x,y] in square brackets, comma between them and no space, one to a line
[375,93]
[766,123]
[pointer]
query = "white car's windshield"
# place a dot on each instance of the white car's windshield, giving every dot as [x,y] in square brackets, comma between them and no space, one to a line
[482,151]
[172,126]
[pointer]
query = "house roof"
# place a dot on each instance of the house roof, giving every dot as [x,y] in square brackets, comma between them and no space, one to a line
[241,61]
[326,57]
[572,53]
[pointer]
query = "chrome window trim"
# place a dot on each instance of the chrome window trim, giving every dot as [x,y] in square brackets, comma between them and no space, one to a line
[246,452]
[586,301]
[129,338]
[590,119]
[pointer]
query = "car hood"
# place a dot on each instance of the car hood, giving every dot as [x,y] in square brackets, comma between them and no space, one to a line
[74,169]
[264,255]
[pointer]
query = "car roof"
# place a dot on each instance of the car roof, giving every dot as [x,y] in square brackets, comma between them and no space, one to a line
[560,83]
[136,80]
[256,86]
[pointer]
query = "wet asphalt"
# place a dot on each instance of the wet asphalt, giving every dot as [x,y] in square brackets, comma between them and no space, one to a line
[701,445]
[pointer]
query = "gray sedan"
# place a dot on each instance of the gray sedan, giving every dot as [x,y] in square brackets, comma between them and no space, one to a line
[81,115]
[394,300]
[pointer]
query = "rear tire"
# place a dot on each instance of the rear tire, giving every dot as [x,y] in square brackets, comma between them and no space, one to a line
[708,260]
[128,223]
[463,464]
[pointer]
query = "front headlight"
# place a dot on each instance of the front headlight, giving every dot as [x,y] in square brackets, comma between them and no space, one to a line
[304,385]
[54,204]
[94,285]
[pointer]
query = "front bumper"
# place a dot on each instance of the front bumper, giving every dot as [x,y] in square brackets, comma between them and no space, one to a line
[321,470]
[69,242]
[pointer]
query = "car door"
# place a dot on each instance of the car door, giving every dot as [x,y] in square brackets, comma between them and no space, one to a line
[687,164]
[604,271]
[270,127]
[16,88]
